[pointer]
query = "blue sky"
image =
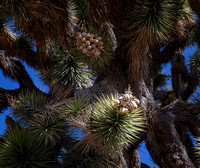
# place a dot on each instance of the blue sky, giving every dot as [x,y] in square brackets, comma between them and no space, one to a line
[6,83]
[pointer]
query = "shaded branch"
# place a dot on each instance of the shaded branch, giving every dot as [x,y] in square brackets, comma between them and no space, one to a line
[14,69]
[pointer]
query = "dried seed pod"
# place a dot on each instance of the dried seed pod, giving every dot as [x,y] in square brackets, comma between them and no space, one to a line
[123,110]
[93,51]
[100,48]
[79,36]
[81,47]
[84,51]
[93,46]
[128,96]
[89,48]
[116,103]
[123,103]
[133,104]
[84,34]
[87,43]
[78,33]
[99,38]
[83,39]
[100,43]
[90,40]
[87,35]
[137,101]
[97,54]
[96,41]
[92,36]
[84,45]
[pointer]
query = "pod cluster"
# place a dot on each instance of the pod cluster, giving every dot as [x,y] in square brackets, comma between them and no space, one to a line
[126,103]
[89,44]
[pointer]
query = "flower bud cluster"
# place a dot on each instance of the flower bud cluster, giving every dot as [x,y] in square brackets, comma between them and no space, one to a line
[126,103]
[89,44]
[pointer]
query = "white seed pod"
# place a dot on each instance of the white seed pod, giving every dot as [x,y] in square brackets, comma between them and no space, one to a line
[133,104]
[128,96]
[84,34]
[123,103]
[84,51]
[137,101]
[87,43]
[89,48]
[83,40]
[123,110]
[121,97]
[116,101]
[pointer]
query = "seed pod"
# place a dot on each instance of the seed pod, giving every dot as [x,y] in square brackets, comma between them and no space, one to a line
[87,36]
[96,54]
[79,36]
[84,45]
[84,51]
[137,101]
[116,103]
[81,47]
[78,33]
[83,39]
[92,51]
[96,41]
[99,38]
[91,40]
[123,110]
[124,103]
[100,48]
[93,46]
[84,34]
[89,48]
[100,43]
[133,104]
[92,35]
[87,43]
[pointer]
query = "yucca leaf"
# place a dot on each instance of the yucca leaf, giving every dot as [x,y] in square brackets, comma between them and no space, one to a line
[112,128]
[22,150]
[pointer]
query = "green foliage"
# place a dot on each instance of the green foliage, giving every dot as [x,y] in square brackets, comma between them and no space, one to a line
[29,103]
[75,106]
[112,128]
[49,128]
[67,70]
[195,61]
[157,18]
[14,8]
[90,159]
[81,13]
[21,149]
[196,33]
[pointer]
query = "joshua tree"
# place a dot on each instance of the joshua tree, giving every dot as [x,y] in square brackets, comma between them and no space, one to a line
[102,61]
